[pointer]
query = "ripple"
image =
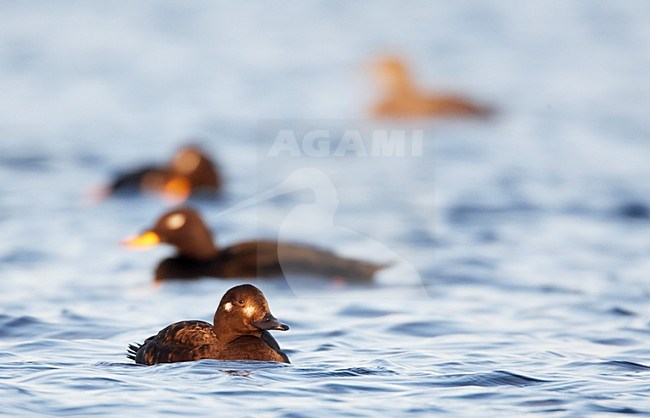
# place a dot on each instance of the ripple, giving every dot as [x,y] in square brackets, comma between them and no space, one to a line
[618,311]
[350,372]
[544,402]
[615,410]
[626,365]
[358,311]
[33,162]
[467,213]
[634,211]
[20,326]
[28,326]
[496,378]
[425,328]
[615,341]
[344,388]
[25,257]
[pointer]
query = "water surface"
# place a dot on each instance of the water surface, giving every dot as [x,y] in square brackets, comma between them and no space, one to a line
[522,242]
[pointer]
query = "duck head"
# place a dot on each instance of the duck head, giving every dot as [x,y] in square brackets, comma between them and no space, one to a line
[182,228]
[243,310]
[193,164]
[189,171]
[392,74]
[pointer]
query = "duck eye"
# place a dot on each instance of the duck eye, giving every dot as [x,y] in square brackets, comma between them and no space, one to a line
[241,302]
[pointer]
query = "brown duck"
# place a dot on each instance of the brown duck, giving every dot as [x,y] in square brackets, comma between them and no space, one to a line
[190,172]
[198,256]
[403,98]
[239,332]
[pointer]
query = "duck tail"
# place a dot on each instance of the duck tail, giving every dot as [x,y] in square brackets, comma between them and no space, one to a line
[355,270]
[132,351]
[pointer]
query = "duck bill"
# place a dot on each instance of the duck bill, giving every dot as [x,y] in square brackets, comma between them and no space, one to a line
[177,189]
[146,240]
[270,322]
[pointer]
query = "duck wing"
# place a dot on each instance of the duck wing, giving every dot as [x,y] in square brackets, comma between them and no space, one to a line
[181,341]
[131,181]
[267,258]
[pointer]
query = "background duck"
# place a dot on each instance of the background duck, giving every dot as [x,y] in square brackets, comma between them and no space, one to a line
[239,332]
[198,256]
[190,172]
[403,98]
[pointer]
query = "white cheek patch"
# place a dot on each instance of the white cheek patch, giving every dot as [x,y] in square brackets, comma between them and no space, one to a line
[228,307]
[187,162]
[175,221]
[249,310]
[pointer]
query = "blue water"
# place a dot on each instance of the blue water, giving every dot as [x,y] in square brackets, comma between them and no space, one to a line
[520,244]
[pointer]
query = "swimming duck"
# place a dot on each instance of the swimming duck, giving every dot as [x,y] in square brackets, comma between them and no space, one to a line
[189,172]
[198,256]
[404,99]
[240,332]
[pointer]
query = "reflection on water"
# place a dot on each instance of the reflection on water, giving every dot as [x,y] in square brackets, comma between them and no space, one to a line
[528,233]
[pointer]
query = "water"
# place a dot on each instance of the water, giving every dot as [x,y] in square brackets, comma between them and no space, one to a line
[521,285]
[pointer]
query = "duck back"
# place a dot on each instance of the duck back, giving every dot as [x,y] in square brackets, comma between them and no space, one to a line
[268,259]
[178,342]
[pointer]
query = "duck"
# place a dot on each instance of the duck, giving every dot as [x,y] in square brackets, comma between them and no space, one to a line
[198,256]
[403,98]
[240,331]
[190,172]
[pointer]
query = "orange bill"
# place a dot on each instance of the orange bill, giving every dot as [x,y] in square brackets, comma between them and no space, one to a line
[177,189]
[148,239]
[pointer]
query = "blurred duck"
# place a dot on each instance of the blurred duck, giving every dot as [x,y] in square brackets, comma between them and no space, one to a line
[404,99]
[198,256]
[190,172]
[240,332]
